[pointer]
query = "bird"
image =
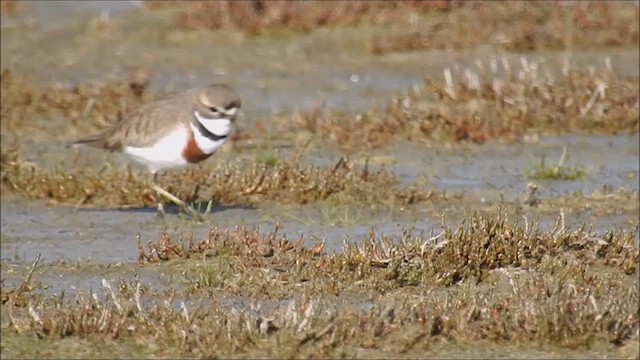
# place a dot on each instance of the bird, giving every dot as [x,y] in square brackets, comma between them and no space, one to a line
[174,132]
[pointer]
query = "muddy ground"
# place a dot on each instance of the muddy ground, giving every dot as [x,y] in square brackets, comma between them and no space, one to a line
[279,76]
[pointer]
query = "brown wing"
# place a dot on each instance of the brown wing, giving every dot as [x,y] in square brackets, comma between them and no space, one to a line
[143,127]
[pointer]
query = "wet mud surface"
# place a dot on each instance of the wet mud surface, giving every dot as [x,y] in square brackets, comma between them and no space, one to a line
[326,68]
[485,175]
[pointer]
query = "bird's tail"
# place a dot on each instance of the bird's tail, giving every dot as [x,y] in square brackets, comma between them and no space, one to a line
[97,141]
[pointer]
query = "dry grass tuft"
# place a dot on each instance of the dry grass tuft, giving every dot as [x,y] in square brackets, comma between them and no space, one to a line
[509,25]
[287,182]
[473,250]
[480,105]
[520,26]
[18,296]
[481,244]
[492,101]
[259,250]
[84,107]
[559,287]
[255,17]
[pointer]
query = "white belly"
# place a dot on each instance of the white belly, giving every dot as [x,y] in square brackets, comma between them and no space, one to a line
[166,154]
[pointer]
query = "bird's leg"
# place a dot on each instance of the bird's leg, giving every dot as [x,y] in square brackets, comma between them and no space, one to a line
[173,199]
[160,210]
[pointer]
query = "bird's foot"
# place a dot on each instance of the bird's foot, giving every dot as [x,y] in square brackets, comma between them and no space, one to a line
[160,213]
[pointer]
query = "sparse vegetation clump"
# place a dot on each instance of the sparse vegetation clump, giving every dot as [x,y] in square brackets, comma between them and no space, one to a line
[559,171]
[493,101]
[424,25]
[487,279]
[519,26]
[480,105]
[257,17]
[238,182]
[479,245]
[28,106]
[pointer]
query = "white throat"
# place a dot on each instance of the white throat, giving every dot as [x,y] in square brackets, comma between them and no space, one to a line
[219,127]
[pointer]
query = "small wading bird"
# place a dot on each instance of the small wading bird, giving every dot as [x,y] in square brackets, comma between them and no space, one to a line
[175,132]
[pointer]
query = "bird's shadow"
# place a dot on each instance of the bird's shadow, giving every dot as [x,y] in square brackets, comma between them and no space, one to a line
[170,209]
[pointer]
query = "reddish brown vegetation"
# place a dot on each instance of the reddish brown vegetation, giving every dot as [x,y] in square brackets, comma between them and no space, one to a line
[256,16]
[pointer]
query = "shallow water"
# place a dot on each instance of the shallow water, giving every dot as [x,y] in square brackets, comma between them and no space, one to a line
[490,173]
[66,43]
[273,76]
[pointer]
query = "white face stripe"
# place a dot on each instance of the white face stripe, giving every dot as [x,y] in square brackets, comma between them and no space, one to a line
[230,112]
[220,127]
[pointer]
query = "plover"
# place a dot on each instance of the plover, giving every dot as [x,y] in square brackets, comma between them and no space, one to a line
[180,130]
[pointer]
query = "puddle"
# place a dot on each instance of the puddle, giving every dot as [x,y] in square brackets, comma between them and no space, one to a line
[499,171]
[110,236]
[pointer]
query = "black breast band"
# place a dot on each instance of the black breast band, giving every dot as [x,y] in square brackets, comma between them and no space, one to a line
[206,133]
